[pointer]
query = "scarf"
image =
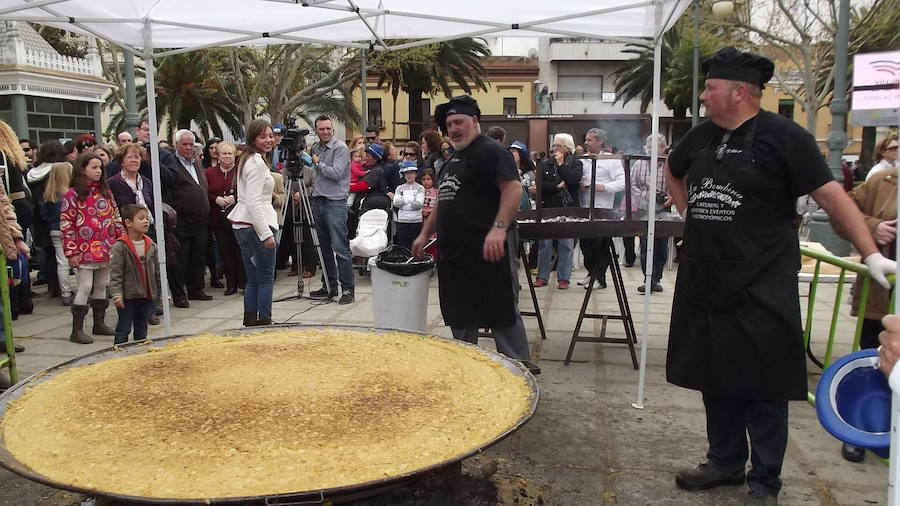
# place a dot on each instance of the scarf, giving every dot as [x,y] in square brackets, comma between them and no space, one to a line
[138,188]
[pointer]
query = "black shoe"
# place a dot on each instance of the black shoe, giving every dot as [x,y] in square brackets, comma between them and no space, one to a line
[262,320]
[19,348]
[755,497]
[629,263]
[230,291]
[215,283]
[853,453]
[656,287]
[705,476]
[642,288]
[533,368]
[153,320]
[199,296]
[347,298]
[321,293]
[182,303]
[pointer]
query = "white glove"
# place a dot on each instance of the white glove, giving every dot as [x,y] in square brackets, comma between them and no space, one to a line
[879,268]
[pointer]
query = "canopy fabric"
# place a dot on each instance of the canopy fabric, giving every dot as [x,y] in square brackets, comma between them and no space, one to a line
[194,24]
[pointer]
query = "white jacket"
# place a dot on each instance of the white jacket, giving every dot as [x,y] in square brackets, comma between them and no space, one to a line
[409,199]
[610,174]
[254,204]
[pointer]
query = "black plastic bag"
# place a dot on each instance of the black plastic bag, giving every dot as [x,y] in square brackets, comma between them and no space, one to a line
[396,261]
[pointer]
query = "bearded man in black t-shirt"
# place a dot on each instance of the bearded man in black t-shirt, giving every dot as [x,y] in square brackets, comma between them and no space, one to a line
[735,332]
[479,193]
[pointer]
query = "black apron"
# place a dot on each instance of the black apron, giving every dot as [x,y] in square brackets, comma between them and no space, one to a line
[474,293]
[735,327]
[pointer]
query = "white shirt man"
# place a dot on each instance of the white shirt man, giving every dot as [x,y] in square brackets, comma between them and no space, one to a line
[609,180]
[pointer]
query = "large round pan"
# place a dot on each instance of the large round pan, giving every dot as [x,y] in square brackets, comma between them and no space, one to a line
[340,494]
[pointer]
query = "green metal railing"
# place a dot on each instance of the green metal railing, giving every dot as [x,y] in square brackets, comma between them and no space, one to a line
[862,272]
[8,356]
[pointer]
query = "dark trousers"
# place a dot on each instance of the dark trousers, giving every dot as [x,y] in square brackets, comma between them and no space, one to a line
[230,253]
[407,233]
[188,274]
[135,314]
[660,255]
[630,256]
[595,251]
[868,337]
[729,420]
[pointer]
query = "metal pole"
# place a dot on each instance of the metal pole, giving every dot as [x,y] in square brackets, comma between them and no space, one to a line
[364,103]
[157,182]
[837,139]
[695,90]
[651,216]
[131,109]
[894,472]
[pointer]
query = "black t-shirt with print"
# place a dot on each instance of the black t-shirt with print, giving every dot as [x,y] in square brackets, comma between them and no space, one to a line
[781,149]
[469,194]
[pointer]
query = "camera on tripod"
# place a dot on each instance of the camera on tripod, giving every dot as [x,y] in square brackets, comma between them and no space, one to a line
[294,145]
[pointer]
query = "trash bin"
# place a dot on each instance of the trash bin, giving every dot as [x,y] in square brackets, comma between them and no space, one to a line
[400,289]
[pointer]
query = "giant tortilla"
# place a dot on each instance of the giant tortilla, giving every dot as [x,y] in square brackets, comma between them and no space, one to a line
[274,412]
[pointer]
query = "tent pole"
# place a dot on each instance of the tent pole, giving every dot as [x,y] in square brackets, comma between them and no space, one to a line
[894,470]
[651,218]
[157,182]
[363,101]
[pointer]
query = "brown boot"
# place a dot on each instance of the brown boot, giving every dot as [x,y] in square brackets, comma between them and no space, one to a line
[78,335]
[250,319]
[100,329]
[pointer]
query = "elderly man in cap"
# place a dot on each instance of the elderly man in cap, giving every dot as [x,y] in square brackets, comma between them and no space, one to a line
[479,193]
[735,331]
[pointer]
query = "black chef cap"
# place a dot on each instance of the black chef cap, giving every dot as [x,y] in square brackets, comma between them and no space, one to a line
[729,63]
[462,104]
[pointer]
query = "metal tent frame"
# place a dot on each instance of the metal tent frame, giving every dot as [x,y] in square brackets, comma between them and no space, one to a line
[154,29]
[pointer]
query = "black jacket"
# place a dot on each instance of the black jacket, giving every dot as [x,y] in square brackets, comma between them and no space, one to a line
[552,174]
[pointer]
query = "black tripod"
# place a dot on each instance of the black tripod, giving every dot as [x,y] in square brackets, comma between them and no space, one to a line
[298,209]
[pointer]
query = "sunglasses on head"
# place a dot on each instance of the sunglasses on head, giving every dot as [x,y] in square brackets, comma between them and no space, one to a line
[892,148]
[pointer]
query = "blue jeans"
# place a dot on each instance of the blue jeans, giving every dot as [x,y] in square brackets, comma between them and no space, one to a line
[564,258]
[135,313]
[331,224]
[259,264]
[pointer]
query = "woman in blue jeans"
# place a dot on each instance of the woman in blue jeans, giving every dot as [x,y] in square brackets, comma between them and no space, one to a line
[255,222]
[560,175]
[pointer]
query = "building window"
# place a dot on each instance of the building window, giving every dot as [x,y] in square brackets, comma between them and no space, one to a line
[786,108]
[53,118]
[374,110]
[579,87]
[509,105]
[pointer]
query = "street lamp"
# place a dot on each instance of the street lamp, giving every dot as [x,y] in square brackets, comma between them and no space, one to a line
[721,10]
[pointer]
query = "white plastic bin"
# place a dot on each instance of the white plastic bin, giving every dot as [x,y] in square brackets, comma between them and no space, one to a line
[401,302]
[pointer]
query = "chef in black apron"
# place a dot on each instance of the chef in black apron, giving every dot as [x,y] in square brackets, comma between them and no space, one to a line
[479,193]
[735,331]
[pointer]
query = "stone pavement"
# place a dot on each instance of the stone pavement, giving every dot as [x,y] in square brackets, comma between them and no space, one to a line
[586,445]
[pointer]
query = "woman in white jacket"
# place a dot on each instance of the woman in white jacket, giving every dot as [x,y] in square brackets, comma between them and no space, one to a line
[255,223]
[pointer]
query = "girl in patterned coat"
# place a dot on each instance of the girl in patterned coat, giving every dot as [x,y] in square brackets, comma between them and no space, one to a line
[90,225]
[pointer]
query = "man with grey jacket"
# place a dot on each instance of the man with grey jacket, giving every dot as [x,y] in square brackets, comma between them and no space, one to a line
[331,161]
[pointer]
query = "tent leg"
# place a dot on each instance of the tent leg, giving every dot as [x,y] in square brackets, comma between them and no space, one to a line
[157,182]
[651,219]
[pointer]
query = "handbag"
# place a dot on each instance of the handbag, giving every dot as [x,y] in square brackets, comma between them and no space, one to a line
[565,197]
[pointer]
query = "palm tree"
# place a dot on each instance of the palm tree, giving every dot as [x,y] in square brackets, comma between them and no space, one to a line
[292,80]
[457,61]
[188,87]
[425,70]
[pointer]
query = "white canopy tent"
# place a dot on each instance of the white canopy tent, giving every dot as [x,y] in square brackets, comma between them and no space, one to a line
[156,28]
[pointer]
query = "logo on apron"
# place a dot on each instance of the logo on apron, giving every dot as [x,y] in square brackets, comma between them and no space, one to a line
[712,201]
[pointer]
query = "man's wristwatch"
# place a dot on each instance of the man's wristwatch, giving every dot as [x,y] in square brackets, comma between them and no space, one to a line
[499,224]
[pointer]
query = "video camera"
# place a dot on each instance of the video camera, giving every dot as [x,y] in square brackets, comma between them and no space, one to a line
[294,145]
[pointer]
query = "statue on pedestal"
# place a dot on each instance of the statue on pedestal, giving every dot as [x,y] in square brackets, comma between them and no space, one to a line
[542,98]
